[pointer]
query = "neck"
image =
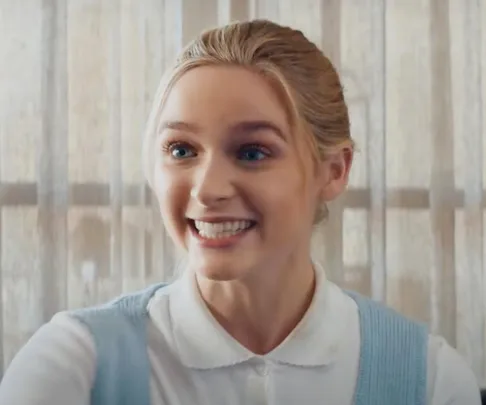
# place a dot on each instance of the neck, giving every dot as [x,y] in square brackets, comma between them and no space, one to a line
[261,310]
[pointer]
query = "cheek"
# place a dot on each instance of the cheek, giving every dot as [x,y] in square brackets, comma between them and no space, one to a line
[295,200]
[282,196]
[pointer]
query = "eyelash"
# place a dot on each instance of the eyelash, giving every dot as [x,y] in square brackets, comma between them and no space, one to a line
[169,147]
[260,148]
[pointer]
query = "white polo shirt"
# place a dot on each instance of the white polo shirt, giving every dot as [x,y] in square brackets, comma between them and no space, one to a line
[194,360]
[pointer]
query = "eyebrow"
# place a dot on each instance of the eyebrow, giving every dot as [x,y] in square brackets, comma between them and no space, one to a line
[248,127]
[179,126]
[242,127]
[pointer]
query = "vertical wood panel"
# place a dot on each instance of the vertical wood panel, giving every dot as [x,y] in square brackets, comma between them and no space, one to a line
[482,378]
[465,17]
[304,15]
[407,77]
[198,16]
[376,153]
[173,13]
[52,184]
[89,33]
[356,271]
[20,128]
[3,118]
[89,50]
[3,326]
[114,14]
[134,236]
[363,67]
[20,79]
[2,323]
[409,261]
[232,10]
[159,55]
[77,80]
[268,9]
[333,226]
[22,304]
[89,257]
[137,23]
[160,39]
[135,34]
[442,294]
[482,13]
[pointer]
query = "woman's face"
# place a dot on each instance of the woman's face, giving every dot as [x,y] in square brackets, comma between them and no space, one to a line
[231,190]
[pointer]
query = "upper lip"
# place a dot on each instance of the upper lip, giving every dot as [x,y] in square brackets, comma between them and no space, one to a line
[217,219]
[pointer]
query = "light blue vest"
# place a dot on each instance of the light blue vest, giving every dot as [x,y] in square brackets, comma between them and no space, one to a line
[392,366]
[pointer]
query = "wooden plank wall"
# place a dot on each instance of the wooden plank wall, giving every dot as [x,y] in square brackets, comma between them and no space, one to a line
[78,225]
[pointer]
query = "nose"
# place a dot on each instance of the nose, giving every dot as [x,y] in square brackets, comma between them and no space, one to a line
[213,182]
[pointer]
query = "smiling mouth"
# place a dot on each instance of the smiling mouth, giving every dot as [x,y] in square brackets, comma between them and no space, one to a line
[220,230]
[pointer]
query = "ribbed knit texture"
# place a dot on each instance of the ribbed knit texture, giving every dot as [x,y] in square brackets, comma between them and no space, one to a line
[393,357]
[119,331]
[392,365]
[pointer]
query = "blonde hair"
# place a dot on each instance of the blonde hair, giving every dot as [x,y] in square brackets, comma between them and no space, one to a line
[304,76]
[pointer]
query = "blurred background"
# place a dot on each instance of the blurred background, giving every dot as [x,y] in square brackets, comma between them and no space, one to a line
[78,225]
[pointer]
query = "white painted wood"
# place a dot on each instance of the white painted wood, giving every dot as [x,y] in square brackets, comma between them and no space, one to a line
[164,39]
[269,9]
[232,10]
[467,96]
[21,278]
[363,69]
[52,165]
[20,101]
[442,293]
[77,80]
[114,12]
[409,254]
[139,25]
[20,130]
[330,15]
[89,49]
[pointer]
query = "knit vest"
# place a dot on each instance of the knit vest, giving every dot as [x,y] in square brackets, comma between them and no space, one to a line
[392,364]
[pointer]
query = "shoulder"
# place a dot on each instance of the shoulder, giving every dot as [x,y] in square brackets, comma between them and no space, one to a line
[57,364]
[121,319]
[131,304]
[379,321]
[451,381]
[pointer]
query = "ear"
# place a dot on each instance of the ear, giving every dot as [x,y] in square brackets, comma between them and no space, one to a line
[334,174]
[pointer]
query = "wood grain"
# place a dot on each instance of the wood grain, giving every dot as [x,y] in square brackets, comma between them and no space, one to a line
[52,164]
[443,293]
[363,69]
[333,226]
[78,225]
[467,96]
[409,258]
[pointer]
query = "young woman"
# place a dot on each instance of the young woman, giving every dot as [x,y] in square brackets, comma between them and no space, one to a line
[248,140]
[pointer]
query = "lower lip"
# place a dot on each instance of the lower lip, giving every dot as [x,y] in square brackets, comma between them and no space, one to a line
[219,243]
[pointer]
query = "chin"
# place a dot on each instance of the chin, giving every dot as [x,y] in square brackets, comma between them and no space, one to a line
[212,275]
[219,270]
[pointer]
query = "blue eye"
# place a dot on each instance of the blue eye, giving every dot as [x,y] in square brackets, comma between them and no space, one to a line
[253,153]
[181,152]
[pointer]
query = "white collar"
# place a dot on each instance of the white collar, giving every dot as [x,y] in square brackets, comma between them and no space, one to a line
[203,343]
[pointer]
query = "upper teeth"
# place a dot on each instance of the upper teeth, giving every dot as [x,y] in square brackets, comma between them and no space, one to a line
[215,229]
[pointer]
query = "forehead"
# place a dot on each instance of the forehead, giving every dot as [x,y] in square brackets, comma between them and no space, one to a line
[223,94]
